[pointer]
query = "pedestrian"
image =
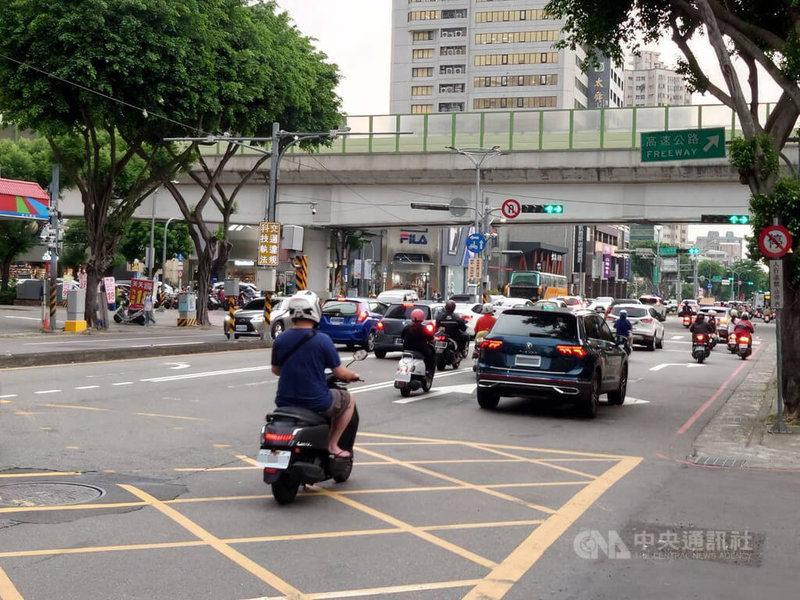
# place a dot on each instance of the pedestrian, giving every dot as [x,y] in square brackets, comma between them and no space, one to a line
[148,310]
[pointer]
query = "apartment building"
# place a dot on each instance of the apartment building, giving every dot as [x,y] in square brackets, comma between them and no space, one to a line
[483,55]
[649,83]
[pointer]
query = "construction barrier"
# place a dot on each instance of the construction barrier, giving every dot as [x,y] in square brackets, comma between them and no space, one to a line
[162,297]
[267,309]
[230,323]
[187,321]
[53,303]
[301,272]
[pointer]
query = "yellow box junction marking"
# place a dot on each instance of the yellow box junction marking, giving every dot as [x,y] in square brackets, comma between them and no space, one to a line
[7,589]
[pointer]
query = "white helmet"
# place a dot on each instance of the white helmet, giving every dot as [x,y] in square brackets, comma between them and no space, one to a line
[734,313]
[304,305]
[487,309]
[712,313]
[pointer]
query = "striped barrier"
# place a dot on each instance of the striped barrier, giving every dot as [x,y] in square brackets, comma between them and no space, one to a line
[187,321]
[230,323]
[301,272]
[53,303]
[267,309]
[162,297]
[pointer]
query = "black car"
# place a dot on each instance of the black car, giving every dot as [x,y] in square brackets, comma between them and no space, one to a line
[552,353]
[396,317]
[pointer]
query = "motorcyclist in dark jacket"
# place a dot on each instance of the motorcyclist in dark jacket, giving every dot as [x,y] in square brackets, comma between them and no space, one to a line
[701,326]
[454,326]
[417,338]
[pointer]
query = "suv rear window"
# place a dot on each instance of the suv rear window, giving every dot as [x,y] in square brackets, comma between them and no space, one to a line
[537,324]
[403,311]
[340,308]
[633,311]
[649,300]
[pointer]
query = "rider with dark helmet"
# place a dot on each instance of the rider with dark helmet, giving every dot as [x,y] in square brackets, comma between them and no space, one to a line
[454,326]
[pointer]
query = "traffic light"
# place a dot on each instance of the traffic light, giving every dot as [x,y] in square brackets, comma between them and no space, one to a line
[693,251]
[550,209]
[731,219]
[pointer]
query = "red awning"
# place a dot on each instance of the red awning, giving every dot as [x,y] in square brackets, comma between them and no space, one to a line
[23,200]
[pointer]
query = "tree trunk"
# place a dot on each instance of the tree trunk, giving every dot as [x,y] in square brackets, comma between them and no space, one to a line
[203,284]
[6,274]
[790,348]
[94,274]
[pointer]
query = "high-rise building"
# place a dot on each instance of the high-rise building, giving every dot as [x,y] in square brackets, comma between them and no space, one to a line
[479,55]
[649,83]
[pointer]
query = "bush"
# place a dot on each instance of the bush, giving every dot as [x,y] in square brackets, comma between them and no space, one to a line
[8,296]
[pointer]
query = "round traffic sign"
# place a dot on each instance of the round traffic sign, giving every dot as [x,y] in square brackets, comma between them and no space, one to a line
[510,208]
[476,243]
[774,241]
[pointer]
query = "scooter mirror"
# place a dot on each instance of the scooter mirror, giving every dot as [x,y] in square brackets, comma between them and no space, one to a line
[360,354]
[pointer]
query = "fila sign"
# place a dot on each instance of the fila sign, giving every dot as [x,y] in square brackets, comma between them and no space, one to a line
[411,238]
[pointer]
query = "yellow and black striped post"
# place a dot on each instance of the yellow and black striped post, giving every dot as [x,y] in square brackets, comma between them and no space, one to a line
[162,297]
[53,302]
[301,272]
[486,298]
[231,309]
[267,314]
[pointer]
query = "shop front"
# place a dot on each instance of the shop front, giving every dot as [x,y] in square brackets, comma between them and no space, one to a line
[412,254]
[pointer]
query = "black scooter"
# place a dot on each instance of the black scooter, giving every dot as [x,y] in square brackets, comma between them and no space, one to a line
[294,447]
[701,346]
[447,352]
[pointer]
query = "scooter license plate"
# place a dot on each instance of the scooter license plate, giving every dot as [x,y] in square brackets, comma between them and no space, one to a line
[403,377]
[398,341]
[441,345]
[742,346]
[274,459]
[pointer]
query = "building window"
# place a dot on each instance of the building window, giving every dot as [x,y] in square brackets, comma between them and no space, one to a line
[422,36]
[452,69]
[458,13]
[517,37]
[421,90]
[451,107]
[423,15]
[453,50]
[515,81]
[454,32]
[496,16]
[482,60]
[452,88]
[420,72]
[422,54]
[421,109]
[520,102]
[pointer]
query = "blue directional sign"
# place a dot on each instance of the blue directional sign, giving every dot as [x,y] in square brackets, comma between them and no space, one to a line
[709,285]
[476,243]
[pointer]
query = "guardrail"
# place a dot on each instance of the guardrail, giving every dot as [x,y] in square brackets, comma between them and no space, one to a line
[552,129]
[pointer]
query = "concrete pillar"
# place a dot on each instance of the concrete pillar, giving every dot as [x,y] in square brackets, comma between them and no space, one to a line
[76,307]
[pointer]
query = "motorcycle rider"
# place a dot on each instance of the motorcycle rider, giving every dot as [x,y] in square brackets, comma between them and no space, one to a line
[733,319]
[302,381]
[623,326]
[701,326]
[686,309]
[487,320]
[417,338]
[454,326]
[744,325]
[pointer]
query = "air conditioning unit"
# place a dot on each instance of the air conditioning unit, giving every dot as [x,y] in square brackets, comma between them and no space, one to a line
[450,52]
[459,33]
[448,71]
[458,70]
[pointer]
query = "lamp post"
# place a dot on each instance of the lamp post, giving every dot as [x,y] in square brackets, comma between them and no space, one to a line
[477,156]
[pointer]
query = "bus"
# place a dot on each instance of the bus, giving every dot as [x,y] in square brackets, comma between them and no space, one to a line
[536,285]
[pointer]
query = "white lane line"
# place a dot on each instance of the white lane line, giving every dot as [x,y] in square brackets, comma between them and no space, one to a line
[665,365]
[464,389]
[8,396]
[47,392]
[87,387]
[388,384]
[136,339]
[25,318]
[159,345]
[206,374]
[123,383]
[676,337]
[241,385]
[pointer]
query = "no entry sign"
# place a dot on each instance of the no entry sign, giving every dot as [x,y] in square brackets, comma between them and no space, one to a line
[774,241]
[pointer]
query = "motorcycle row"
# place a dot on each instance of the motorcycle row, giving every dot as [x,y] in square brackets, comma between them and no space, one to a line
[740,344]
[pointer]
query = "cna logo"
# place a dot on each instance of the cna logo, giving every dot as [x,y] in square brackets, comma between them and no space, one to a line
[411,238]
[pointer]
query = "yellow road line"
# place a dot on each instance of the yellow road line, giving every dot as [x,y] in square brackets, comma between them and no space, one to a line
[98,549]
[226,550]
[458,526]
[396,589]
[7,589]
[170,416]
[75,407]
[524,556]
[408,528]
[69,507]
[475,487]
[5,402]
[428,443]
[52,474]
[25,413]
[294,537]
[501,446]
[537,461]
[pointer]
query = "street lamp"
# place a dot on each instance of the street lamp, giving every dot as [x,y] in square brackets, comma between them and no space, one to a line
[477,156]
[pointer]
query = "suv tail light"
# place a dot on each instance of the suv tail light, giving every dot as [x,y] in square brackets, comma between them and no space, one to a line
[611,318]
[491,344]
[646,320]
[578,351]
[380,326]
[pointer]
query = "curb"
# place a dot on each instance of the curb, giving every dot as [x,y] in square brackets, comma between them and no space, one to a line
[41,359]
[734,435]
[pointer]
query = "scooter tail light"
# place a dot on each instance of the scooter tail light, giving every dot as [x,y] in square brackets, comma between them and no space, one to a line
[441,338]
[744,339]
[577,351]
[278,437]
[429,327]
[699,338]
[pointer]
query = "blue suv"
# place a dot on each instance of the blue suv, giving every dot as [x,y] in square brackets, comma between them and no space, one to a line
[552,353]
[352,321]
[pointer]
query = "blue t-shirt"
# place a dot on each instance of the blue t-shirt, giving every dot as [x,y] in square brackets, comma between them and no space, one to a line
[623,327]
[302,382]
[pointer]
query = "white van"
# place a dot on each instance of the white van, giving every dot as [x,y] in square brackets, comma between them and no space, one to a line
[394,296]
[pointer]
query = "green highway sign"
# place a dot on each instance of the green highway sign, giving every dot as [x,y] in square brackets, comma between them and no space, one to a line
[717,278]
[669,251]
[683,144]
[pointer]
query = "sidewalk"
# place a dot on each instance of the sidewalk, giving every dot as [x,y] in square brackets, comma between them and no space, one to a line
[738,434]
[23,343]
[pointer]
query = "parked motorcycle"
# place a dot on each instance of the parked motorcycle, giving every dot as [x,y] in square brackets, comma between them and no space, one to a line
[294,447]
[447,352]
[411,374]
[213,302]
[701,347]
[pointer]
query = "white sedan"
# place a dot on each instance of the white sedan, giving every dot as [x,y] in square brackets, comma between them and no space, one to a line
[470,312]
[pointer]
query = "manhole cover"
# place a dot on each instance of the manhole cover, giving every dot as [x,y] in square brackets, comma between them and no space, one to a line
[47,494]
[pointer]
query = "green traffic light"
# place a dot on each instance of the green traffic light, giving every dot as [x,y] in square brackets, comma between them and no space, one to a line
[739,219]
[554,209]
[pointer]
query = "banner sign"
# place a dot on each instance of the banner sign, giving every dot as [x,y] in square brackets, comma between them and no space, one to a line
[140,288]
[109,284]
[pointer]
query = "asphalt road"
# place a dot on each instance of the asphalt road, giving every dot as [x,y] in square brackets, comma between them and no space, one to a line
[446,500]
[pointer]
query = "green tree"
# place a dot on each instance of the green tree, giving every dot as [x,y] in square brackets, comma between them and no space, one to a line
[106,80]
[16,237]
[136,240]
[75,243]
[762,35]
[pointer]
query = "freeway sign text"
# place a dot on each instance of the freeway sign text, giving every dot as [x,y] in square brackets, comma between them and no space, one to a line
[683,144]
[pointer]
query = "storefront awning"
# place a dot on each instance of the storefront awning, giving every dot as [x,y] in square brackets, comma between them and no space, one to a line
[23,200]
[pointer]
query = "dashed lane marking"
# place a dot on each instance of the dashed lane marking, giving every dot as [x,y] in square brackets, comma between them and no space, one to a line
[8,396]
[123,383]
[75,407]
[170,416]
[47,474]
[47,392]
[87,387]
